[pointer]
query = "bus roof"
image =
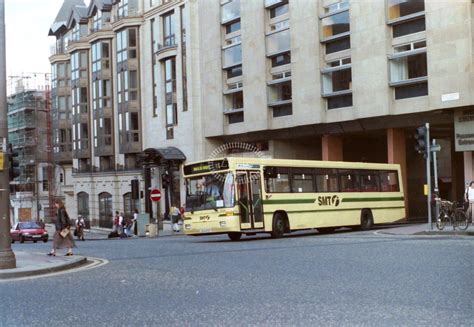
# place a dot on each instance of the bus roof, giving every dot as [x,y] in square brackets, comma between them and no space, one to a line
[234,161]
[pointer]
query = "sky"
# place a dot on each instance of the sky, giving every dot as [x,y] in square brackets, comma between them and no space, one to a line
[27,41]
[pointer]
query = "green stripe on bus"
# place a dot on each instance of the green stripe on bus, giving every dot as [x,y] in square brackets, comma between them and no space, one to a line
[302,201]
[286,201]
[400,198]
[335,209]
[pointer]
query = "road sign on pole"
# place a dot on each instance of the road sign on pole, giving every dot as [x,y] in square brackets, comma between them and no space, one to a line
[155,195]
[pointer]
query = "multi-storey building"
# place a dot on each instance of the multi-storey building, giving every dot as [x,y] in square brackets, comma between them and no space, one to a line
[157,83]
[130,102]
[28,134]
[343,80]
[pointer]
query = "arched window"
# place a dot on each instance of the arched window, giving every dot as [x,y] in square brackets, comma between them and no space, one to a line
[105,210]
[83,204]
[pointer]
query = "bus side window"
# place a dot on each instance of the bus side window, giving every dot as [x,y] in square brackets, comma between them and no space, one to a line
[389,181]
[349,180]
[326,180]
[369,181]
[277,180]
[302,181]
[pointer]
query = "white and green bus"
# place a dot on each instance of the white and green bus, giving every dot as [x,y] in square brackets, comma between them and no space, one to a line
[238,196]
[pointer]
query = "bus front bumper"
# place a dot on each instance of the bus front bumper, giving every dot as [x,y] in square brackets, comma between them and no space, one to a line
[220,226]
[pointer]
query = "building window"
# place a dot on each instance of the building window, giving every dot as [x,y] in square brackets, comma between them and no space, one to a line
[401,8]
[184,78]
[234,100]
[278,42]
[279,92]
[97,21]
[230,11]
[83,205]
[122,46]
[169,30]
[237,117]
[411,90]
[335,25]
[409,27]
[281,59]
[170,92]
[402,69]
[76,33]
[232,27]
[232,56]
[338,6]
[339,101]
[280,111]
[337,80]
[279,10]
[337,83]
[78,65]
[105,210]
[338,45]
[234,71]
[122,9]
[409,70]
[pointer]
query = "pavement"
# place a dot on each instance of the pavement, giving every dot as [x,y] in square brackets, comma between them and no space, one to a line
[33,264]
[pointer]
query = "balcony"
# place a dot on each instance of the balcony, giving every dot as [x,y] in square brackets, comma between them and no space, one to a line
[230,11]
[232,56]
[271,3]
[278,42]
[166,49]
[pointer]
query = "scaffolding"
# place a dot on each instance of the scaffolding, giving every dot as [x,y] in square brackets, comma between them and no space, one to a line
[30,133]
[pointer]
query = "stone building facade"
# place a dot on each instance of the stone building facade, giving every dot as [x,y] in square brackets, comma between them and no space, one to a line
[159,83]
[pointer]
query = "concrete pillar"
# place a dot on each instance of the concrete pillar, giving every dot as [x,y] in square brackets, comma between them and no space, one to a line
[397,154]
[332,146]
[468,166]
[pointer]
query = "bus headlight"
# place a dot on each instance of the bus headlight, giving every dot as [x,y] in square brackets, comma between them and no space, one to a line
[222,223]
[187,226]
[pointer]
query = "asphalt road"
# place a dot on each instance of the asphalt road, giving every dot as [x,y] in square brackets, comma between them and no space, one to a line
[341,279]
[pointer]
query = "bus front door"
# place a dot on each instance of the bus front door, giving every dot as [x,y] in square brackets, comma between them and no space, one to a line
[249,193]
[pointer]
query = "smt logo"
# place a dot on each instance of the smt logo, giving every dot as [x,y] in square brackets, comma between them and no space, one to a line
[328,200]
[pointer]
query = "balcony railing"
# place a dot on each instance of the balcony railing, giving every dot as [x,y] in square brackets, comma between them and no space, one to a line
[94,169]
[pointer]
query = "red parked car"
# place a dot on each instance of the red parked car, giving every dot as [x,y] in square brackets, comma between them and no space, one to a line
[28,231]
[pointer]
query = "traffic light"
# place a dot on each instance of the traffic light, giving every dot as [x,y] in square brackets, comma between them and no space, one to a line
[421,140]
[135,189]
[14,164]
[165,180]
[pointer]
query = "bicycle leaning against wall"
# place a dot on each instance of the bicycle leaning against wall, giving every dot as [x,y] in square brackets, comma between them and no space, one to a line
[451,213]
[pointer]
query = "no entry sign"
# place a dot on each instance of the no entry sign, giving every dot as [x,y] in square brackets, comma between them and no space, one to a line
[155,195]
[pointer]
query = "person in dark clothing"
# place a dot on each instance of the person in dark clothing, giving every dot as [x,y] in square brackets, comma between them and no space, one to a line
[62,237]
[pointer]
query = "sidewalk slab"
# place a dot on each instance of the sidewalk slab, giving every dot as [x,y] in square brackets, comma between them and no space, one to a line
[423,229]
[33,264]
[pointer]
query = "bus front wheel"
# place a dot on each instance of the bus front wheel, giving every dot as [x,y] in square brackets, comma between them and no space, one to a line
[366,220]
[278,225]
[234,236]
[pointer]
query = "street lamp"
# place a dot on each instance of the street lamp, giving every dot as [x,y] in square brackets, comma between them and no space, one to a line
[7,257]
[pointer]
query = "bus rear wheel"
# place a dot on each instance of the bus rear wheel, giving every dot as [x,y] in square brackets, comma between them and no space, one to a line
[366,220]
[278,225]
[235,236]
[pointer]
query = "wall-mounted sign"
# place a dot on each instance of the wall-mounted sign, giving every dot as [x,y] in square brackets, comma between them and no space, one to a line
[450,97]
[464,129]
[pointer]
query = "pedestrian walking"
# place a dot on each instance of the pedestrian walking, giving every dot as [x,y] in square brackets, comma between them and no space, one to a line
[118,223]
[126,224]
[80,225]
[175,214]
[134,222]
[469,197]
[62,237]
